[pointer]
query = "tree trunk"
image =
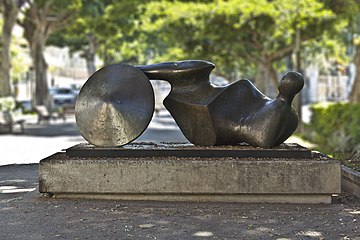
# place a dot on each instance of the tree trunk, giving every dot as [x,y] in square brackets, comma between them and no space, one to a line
[36,36]
[90,64]
[265,78]
[41,86]
[90,53]
[10,11]
[260,79]
[108,59]
[355,92]
[40,20]
[36,31]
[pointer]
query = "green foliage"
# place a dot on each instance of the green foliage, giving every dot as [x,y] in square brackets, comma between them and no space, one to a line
[336,127]
[56,6]
[40,19]
[232,33]
[19,60]
[48,16]
[236,35]
[87,21]
[123,40]
[7,104]
[109,28]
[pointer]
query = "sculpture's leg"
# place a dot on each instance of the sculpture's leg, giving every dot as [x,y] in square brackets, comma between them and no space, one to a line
[194,121]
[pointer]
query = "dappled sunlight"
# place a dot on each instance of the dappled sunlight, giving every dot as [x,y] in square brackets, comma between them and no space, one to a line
[355,212]
[11,189]
[264,229]
[300,141]
[2,188]
[14,189]
[311,233]
[3,209]
[203,234]
[13,181]
[259,231]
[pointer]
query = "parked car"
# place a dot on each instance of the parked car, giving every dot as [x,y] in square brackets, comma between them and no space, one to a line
[63,96]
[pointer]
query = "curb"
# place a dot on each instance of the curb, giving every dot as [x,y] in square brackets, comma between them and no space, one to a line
[350,181]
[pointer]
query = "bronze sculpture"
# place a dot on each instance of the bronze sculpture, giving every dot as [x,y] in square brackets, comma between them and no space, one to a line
[207,114]
[239,112]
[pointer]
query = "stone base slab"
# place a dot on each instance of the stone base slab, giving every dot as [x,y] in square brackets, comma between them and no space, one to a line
[192,179]
[351,181]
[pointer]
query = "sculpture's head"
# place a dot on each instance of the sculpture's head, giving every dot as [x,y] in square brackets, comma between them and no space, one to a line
[290,84]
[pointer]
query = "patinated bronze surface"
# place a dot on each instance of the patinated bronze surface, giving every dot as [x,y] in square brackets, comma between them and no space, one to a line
[114,106]
[239,112]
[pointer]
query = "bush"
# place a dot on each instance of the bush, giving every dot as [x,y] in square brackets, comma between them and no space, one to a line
[7,104]
[336,127]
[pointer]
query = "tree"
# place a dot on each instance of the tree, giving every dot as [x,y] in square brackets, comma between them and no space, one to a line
[236,34]
[85,33]
[355,92]
[120,39]
[355,29]
[10,9]
[41,18]
[99,29]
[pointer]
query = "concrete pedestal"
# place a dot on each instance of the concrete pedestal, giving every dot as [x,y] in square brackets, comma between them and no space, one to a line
[232,179]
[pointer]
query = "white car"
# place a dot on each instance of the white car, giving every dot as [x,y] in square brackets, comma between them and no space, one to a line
[63,95]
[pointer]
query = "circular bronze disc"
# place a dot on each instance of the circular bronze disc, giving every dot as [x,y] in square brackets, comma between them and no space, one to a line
[114,106]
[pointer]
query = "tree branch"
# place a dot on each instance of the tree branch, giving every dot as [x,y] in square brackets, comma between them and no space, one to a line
[280,53]
[252,58]
[60,22]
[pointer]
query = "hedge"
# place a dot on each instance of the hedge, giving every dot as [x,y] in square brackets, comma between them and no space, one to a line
[336,127]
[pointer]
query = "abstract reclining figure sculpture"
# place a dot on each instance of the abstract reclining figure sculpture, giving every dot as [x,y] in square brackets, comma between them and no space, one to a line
[239,112]
[211,115]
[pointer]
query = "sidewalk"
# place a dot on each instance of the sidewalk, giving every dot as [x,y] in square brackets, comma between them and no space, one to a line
[26,214]
[40,141]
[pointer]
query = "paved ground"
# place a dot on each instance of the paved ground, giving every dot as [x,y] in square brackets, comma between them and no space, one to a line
[25,214]
[40,141]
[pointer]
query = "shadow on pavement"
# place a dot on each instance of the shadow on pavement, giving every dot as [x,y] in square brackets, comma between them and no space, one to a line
[52,130]
[17,180]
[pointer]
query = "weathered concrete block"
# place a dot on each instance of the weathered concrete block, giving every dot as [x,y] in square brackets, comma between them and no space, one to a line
[311,180]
